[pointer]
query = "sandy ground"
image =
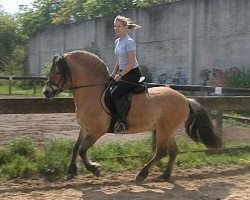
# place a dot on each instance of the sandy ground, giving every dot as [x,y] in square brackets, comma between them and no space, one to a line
[195,184]
[216,183]
[43,127]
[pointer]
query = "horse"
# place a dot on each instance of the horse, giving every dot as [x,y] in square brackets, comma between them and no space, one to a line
[160,110]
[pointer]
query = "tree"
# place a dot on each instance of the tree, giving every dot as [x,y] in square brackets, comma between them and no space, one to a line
[8,37]
[39,16]
[56,12]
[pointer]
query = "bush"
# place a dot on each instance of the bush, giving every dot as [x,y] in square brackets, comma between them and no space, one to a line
[51,161]
[19,167]
[240,79]
[122,156]
[4,157]
[23,146]
[54,160]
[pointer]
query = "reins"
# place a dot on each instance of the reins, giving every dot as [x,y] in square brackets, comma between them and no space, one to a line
[137,84]
[98,84]
[84,86]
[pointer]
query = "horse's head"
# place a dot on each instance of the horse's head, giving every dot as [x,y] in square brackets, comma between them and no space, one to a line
[59,77]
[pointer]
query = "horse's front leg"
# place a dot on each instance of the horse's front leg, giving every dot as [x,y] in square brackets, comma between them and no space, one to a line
[72,171]
[88,141]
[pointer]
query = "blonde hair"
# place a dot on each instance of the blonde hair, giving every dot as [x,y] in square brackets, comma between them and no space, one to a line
[127,22]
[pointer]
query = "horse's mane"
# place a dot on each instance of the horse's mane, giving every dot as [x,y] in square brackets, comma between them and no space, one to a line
[87,56]
[90,61]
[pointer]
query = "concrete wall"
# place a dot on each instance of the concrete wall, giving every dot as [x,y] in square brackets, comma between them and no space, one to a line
[190,41]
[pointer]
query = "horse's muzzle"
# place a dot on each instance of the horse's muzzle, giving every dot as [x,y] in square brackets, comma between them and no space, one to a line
[49,92]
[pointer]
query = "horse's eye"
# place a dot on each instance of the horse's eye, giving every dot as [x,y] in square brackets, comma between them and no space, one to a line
[58,73]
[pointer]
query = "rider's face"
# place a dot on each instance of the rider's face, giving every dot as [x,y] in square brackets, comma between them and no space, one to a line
[120,29]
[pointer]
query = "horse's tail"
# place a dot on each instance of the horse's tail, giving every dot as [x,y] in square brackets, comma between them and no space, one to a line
[199,126]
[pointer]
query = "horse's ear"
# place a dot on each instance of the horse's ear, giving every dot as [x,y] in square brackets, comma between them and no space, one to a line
[57,54]
[54,54]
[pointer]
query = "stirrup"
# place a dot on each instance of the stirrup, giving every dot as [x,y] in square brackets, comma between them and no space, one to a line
[120,127]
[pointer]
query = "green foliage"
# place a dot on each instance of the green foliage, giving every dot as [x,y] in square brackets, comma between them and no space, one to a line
[19,167]
[22,159]
[13,52]
[18,159]
[122,156]
[48,12]
[17,62]
[23,147]
[4,157]
[147,3]
[240,79]
[54,159]
[8,38]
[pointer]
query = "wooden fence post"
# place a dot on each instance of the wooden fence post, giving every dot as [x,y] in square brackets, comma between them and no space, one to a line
[10,84]
[34,86]
[218,126]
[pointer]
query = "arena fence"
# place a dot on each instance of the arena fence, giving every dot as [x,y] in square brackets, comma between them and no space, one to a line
[33,79]
[213,98]
[205,90]
[66,105]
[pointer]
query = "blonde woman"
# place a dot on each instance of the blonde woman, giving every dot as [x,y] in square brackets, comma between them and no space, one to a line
[126,68]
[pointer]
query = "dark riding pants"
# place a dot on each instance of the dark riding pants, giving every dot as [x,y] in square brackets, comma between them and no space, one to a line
[122,88]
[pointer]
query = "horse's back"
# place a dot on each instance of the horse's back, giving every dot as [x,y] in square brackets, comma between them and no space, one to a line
[159,104]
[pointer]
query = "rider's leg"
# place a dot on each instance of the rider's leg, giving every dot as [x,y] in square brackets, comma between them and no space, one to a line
[119,91]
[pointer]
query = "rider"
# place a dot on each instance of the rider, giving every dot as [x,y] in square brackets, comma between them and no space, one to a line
[126,68]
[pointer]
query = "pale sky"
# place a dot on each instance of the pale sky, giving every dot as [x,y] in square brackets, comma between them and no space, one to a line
[12,6]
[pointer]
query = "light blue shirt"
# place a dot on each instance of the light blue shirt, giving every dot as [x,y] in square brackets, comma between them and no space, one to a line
[122,47]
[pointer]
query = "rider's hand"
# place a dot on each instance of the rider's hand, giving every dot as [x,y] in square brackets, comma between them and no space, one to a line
[117,77]
[112,75]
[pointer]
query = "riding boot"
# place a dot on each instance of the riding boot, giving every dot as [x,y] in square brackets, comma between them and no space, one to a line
[122,107]
[113,121]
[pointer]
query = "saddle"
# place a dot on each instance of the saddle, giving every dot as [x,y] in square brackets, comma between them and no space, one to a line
[140,88]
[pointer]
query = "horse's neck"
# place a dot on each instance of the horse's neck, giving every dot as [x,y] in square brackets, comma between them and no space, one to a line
[85,97]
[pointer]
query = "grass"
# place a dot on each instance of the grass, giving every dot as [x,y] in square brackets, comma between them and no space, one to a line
[21,158]
[27,91]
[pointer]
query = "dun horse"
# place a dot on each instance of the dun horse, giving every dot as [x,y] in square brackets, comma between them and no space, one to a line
[161,110]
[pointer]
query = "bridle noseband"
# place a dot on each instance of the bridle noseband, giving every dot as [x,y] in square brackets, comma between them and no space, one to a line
[50,84]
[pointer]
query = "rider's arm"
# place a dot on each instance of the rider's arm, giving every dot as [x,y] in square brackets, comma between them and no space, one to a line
[131,63]
[115,70]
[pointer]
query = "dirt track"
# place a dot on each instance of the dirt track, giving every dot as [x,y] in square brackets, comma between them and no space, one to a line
[207,183]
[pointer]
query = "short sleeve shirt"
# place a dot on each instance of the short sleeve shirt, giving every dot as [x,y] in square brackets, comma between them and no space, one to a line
[122,47]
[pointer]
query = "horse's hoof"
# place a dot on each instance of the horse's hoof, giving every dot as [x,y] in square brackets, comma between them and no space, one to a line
[164,178]
[96,172]
[139,179]
[70,176]
[142,176]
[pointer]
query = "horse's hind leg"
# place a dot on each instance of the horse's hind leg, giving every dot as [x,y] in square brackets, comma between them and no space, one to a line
[72,171]
[172,152]
[160,152]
